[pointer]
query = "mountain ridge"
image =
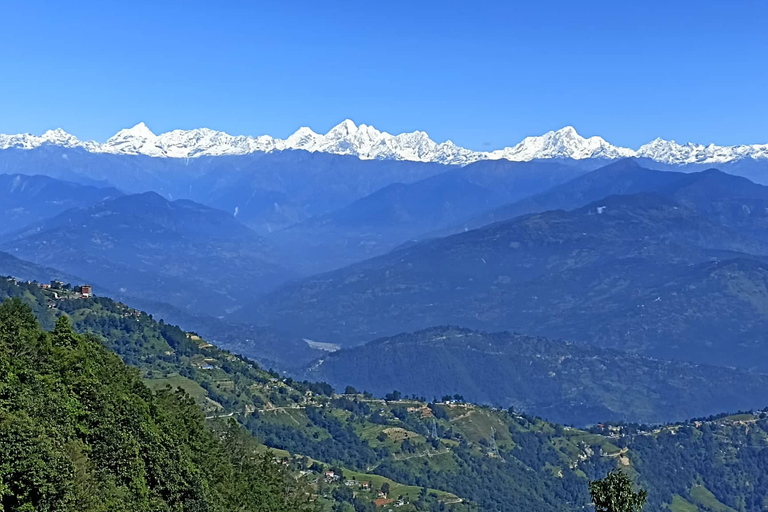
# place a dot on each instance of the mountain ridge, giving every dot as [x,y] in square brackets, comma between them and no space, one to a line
[368,143]
[180,252]
[624,177]
[561,381]
[26,199]
[595,274]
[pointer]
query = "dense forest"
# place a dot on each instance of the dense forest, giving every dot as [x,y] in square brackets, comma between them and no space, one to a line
[80,431]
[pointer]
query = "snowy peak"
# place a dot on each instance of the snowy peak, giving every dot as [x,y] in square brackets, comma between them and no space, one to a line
[304,138]
[344,129]
[57,137]
[368,143]
[136,140]
[139,131]
[564,143]
[670,152]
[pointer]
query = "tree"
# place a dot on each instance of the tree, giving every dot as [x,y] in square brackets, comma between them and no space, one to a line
[63,335]
[385,488]
[393,396]
[614,493]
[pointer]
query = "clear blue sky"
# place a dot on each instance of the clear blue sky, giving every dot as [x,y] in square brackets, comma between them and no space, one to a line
[482,73]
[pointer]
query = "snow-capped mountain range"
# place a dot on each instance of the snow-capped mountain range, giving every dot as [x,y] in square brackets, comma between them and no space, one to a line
[368,143]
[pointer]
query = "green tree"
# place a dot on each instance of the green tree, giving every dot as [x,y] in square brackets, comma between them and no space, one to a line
[614,493]
[63,335]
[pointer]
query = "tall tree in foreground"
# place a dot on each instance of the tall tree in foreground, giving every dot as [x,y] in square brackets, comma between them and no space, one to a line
[614,493]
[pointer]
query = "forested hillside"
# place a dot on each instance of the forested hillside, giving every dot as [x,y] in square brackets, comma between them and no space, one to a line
[80,431]
[164,352]
[563,382]
[430,453]
[221,384]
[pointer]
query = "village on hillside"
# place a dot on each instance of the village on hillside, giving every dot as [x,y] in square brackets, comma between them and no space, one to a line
[59,289]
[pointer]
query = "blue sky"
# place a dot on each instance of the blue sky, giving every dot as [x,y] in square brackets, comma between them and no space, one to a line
[484,74]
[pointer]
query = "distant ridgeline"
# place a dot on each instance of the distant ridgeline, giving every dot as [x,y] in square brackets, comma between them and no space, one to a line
[152,452]
[568,383]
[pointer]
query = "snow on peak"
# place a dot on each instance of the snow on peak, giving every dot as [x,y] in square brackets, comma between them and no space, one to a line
[564,143]
[368,143]
[670,152]
[140,130]
[57,137]
[346,128]
[136,140]
[304,138]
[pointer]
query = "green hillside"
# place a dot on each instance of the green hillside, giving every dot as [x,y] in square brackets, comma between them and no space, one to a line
[223,385]
[457,455]
[79,431]
[563,382]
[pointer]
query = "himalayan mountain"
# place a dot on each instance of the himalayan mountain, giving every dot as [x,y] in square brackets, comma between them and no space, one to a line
[368,143]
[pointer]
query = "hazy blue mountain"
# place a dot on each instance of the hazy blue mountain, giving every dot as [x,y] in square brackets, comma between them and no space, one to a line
[274,190]
[590,275]
[401,212]
[730,200]
[28,199]
[622,177]
[708,191]
[180,252]
[266,190]
[270,191]
[754,170]
[27,271]
[130,174]
[560,381]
